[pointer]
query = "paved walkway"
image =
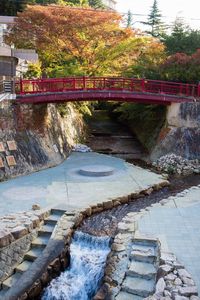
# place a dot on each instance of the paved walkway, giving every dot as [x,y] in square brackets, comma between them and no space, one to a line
[64,186]
[177,224]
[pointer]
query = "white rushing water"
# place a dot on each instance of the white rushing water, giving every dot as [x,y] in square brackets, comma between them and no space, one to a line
[81,280]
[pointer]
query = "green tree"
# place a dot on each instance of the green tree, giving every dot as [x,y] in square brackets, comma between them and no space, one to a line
[129,20]
[12,7]
[182,39]
[96,4]
[155,21]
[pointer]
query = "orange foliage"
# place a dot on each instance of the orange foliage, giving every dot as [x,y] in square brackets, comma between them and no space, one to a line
[79,32]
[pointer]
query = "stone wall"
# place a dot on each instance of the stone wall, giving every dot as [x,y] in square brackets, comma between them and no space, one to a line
[36,137]
[181,133]
[16,234]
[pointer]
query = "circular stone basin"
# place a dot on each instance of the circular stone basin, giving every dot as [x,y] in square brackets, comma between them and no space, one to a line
[96,170]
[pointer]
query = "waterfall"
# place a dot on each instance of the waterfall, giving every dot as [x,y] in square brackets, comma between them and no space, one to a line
[83,277]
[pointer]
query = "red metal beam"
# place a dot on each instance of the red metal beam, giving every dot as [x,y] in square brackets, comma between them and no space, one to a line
[120,96]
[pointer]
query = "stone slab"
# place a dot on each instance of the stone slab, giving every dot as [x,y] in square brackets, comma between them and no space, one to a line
[11,160]
[138,286]
[1,163]
[127,296]
[12,145]
[62,185]
[2,148]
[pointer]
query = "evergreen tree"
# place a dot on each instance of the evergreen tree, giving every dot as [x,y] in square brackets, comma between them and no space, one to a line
[129,20]
[182,39]
[154,21]
[96,4]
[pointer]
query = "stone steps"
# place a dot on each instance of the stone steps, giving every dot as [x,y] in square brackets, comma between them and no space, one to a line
[32,254]
[54,217]
[142,270]
[11,280]
[143,253]
[37,247]
[127,296]
[140,277]
[138,286]
[46,230]
[23,266]
[40,242]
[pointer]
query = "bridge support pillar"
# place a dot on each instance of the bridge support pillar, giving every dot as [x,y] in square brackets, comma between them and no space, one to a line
[181,132]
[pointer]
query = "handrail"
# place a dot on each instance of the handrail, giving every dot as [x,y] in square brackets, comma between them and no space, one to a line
[46,85]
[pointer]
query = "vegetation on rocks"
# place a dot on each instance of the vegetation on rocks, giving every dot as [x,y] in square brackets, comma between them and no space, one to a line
[144,120]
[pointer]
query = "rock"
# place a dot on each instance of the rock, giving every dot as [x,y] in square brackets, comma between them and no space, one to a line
[183,273]
[164,270]
[36,207]
[35,290]
[160,286]
[88,211]
[5,238]
[188,291]
[81,148]
[167,257]
[167,293]
[19,232]
[170,277]
[177,281]
[108,204]
[194,298]
[172,163]
[148,191]
[188,281]
[23,297]
[118,247]
[35,220]
[178,297]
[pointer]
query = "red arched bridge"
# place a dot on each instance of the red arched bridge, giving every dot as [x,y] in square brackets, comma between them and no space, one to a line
[55,90]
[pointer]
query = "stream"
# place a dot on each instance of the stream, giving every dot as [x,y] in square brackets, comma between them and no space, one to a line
[83,277]
[90,244]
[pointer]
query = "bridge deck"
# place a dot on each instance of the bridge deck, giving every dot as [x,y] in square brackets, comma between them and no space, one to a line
[104,88]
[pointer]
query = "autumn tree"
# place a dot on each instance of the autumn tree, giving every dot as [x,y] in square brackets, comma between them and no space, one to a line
[151,55]
[181,67]
[96,44]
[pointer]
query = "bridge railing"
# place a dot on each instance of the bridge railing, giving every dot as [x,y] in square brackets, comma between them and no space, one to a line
[106,83]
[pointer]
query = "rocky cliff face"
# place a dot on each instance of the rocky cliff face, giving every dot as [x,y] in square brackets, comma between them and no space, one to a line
[181,133]
[36,137]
